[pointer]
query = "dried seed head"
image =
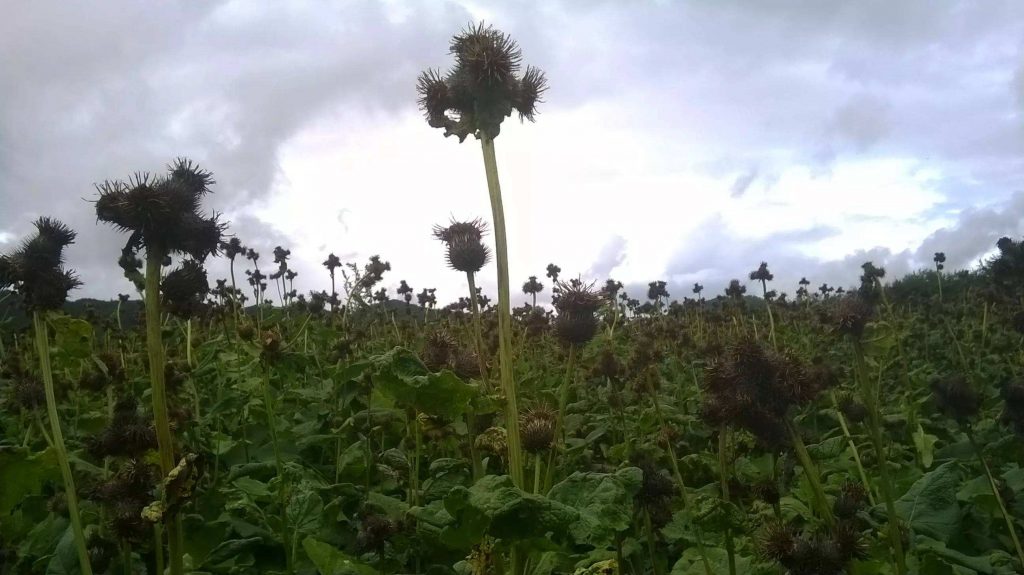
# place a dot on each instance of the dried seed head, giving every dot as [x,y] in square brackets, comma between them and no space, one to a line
[1013,406]
[163,213]
[753,388]
[36,270]
[851,315]
[954,396]
[537,427]
[185,288]
[577,303]
[375,531]
[851,500]
[483,88]
[466,251]
[777,541]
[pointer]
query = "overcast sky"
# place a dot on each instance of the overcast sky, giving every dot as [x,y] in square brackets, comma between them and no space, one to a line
[683,141]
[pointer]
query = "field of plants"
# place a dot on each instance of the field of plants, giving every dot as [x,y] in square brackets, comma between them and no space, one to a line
[238,426]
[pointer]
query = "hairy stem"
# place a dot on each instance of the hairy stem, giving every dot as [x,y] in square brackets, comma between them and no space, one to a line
[155,347]
[43,348]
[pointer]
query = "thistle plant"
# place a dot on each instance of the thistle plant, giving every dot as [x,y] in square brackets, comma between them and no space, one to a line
[36,271]
[163,216]
[473,98]
[532,287]
[466,252]
[761,274]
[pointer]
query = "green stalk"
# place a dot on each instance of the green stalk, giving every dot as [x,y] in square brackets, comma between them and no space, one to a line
[508,383]
[870,398]
[687,506]
[999,499]
[853,449]
[651,546]
[155,346]
[43,348]
[811,473]
[563,401]
[536,472]
[723,477]
[268,401]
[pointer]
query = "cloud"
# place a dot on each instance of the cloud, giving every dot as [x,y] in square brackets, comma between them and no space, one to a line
[673,128]
[610,257]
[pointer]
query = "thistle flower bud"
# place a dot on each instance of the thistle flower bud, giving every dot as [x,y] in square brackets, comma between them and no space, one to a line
[851,500]
[375,531]
[850,316]
[466,251]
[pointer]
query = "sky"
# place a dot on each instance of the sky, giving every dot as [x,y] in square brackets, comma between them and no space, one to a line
[679,141]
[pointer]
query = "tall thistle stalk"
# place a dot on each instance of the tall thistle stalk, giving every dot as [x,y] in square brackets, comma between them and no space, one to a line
[474,97]
[36,272]
[162,214]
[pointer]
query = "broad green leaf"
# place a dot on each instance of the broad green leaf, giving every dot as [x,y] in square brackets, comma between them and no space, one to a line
[996,563]
[331,561]
[252,487]
[493,505]
[402,376]
[930,505]
[65,556]
[23,473]
[228,550]
[604,502]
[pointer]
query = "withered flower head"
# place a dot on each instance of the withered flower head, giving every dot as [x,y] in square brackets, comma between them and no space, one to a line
[577,303]
[537,427]
[955,397]
[163,213]
[36,270]
[375,531]
[762,274]
[735,290]
[483,88]
[1013,406]
[232,248]
[850,316]
[532,286]
[553,271]
[753,388]
[129,434]
[185,288]
[464,242]
[331,263]
[851,500]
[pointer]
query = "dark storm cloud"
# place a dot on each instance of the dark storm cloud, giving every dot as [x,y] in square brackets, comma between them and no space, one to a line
[98,90]
[93,91]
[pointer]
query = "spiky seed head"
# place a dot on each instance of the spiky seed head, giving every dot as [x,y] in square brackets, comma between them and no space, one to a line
[537,427]
[466,251]
[576,323]
[955,397]
[851,500]
[163,213]
[483,88]
[36,270]
[185,288]
[777,540]
[850,316]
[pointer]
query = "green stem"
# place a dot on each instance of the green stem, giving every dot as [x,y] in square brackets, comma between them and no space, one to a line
[999,499]
[563,402]
[43,348]
[687,506]
[869,396]
[811,473]
[723,477]
[853,449]
[536,472]
[651,545]
[282,490]
[508,383]
[155,346]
